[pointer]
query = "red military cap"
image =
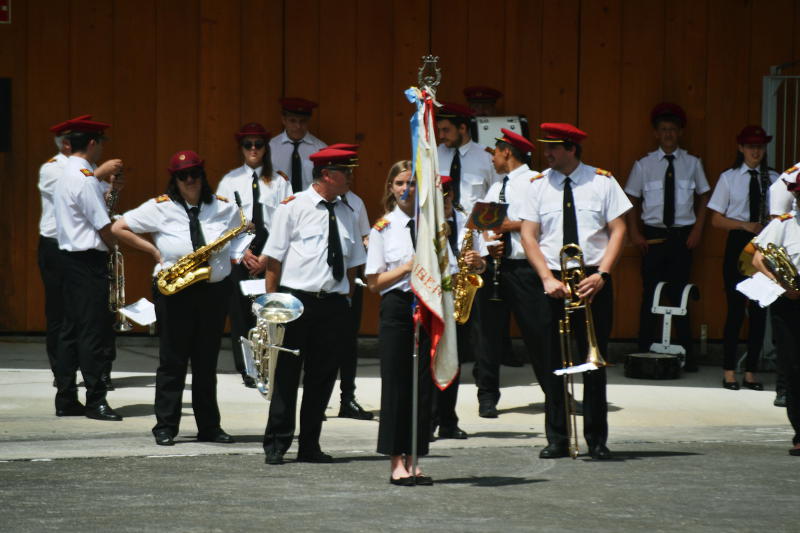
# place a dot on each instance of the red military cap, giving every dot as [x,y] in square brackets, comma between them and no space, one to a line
[670,111]
[446,181]
[481,93]
[183,160]
[251,129]
[298,106]
[516,140]
[331,157]
[559,132]
[82,125]
[753,135]
[449,110]
[61,127]
[343,146]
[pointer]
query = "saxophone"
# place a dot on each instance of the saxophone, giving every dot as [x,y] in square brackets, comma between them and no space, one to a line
[194,267]
[467,283]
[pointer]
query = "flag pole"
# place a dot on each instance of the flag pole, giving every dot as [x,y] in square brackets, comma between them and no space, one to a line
[415,393]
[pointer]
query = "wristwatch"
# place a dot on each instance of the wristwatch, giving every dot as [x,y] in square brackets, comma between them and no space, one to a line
[605,275]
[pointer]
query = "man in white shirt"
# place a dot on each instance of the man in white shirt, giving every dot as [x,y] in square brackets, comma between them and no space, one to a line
[669,192]
[293,146]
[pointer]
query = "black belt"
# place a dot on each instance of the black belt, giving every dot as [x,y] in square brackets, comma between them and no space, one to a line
[319,295]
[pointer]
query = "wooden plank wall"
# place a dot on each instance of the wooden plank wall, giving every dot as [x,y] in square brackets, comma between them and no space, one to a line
[175,74]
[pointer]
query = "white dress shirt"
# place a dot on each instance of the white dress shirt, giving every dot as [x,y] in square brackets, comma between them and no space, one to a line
[391,247]
[49,174]
[270,194]
[646,181]
[781,200]
[784,233]
[360,210]
[731,196]
[168,223]
[477,171]
[598,200]
[519,180]
[80,208]
[281,148]
[299,240]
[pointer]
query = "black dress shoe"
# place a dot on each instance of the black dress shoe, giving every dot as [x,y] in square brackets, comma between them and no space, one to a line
[105,377]
[730,385]
[164,438]
[402,481]
[752,385]
[487,410]
[274,458]
[425,481]
[75,409]
[102,412]
[780,399]
[453,432]
[351,409]
[795,451]
[249,382]
[600,452]
[314,457]
[215,436]
[554,451]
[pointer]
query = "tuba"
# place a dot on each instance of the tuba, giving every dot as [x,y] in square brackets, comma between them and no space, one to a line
[194,267]
[263,342]
[778,262]
[116,273]
[572,273]
[466,283]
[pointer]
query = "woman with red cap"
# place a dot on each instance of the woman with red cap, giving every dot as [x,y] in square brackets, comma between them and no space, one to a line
[191,321]
[740,204]
[261,190]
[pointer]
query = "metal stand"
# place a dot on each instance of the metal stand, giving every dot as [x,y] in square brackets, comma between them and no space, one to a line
[665,347]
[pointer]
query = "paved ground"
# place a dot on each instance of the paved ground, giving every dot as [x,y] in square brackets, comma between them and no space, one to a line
[690,456]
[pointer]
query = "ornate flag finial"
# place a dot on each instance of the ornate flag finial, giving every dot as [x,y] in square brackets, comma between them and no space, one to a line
[434,76]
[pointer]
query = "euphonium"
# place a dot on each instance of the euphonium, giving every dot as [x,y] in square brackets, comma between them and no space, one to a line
[194,267]
[467,283]
[777,261]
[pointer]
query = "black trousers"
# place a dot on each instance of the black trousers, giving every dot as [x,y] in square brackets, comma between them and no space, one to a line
[443,402]
[522,293]
[670,261]
[396,346]
[737,303]
[320,334]
[349,363]
[595,405]
[240,313]
[85,329]
[785,317]
[53,279]
[191,324]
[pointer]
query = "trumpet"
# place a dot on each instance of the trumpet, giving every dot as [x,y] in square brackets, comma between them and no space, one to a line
[572,273]
[116,272]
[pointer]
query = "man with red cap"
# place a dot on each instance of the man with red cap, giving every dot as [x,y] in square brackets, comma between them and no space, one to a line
[83,231]
[669,192]
[574,203]
[293,146]
[520,289]
[261,190]
[465,161]
[313,252]
[482,100]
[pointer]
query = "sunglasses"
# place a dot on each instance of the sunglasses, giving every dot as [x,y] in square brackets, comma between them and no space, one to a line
[194,173]
[249,145]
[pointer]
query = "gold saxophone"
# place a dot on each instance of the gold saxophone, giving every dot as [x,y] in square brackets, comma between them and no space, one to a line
[467,283]
[194,267]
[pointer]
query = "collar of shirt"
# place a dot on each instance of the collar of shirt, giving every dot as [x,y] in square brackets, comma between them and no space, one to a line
[398,217]
[577,176]
[247,169]
[661,154]
[744,169]
[315,197]
[284,138]
[519,171]
[77,160]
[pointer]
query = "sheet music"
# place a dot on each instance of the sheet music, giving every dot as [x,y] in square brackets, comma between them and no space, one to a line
[239,245]
[577,369]
[142,312]
[252,287]
[761,289]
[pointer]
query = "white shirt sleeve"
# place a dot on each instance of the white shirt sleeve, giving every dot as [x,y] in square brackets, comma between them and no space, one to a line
[721,197]
[773,233]
[700,182]
[635,183]
[225,188]
[91,205]
[529,210]
[376,260]
[617,203]
[279,239]
[144,219]
[780,199]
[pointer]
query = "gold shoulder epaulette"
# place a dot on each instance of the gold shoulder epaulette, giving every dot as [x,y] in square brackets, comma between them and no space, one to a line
[282,174]
[221,198]
[86,172]
[790,170]
[381,224]
[52,160]
[536,177]
[602,172]
[162,198]
[784,217]
[288,199]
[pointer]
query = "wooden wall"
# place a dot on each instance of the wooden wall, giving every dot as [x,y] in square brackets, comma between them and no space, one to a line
[176,74]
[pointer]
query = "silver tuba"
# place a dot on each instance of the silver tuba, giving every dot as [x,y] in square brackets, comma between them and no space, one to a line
[263,342]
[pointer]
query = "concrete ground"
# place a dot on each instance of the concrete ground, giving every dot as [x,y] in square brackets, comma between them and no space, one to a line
[689,455]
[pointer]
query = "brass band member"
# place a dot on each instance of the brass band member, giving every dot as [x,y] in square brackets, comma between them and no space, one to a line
[740,204]
[191,321]
[572,202]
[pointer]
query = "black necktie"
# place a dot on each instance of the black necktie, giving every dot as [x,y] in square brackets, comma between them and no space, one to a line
[453,237]
[335,259]
[669,193]
[258,219]
[412,232]
[755,196]
[570,218]
[195,232]
[506,236]
[455,175]
[297,168]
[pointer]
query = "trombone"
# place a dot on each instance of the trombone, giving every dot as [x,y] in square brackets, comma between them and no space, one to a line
[572,273]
